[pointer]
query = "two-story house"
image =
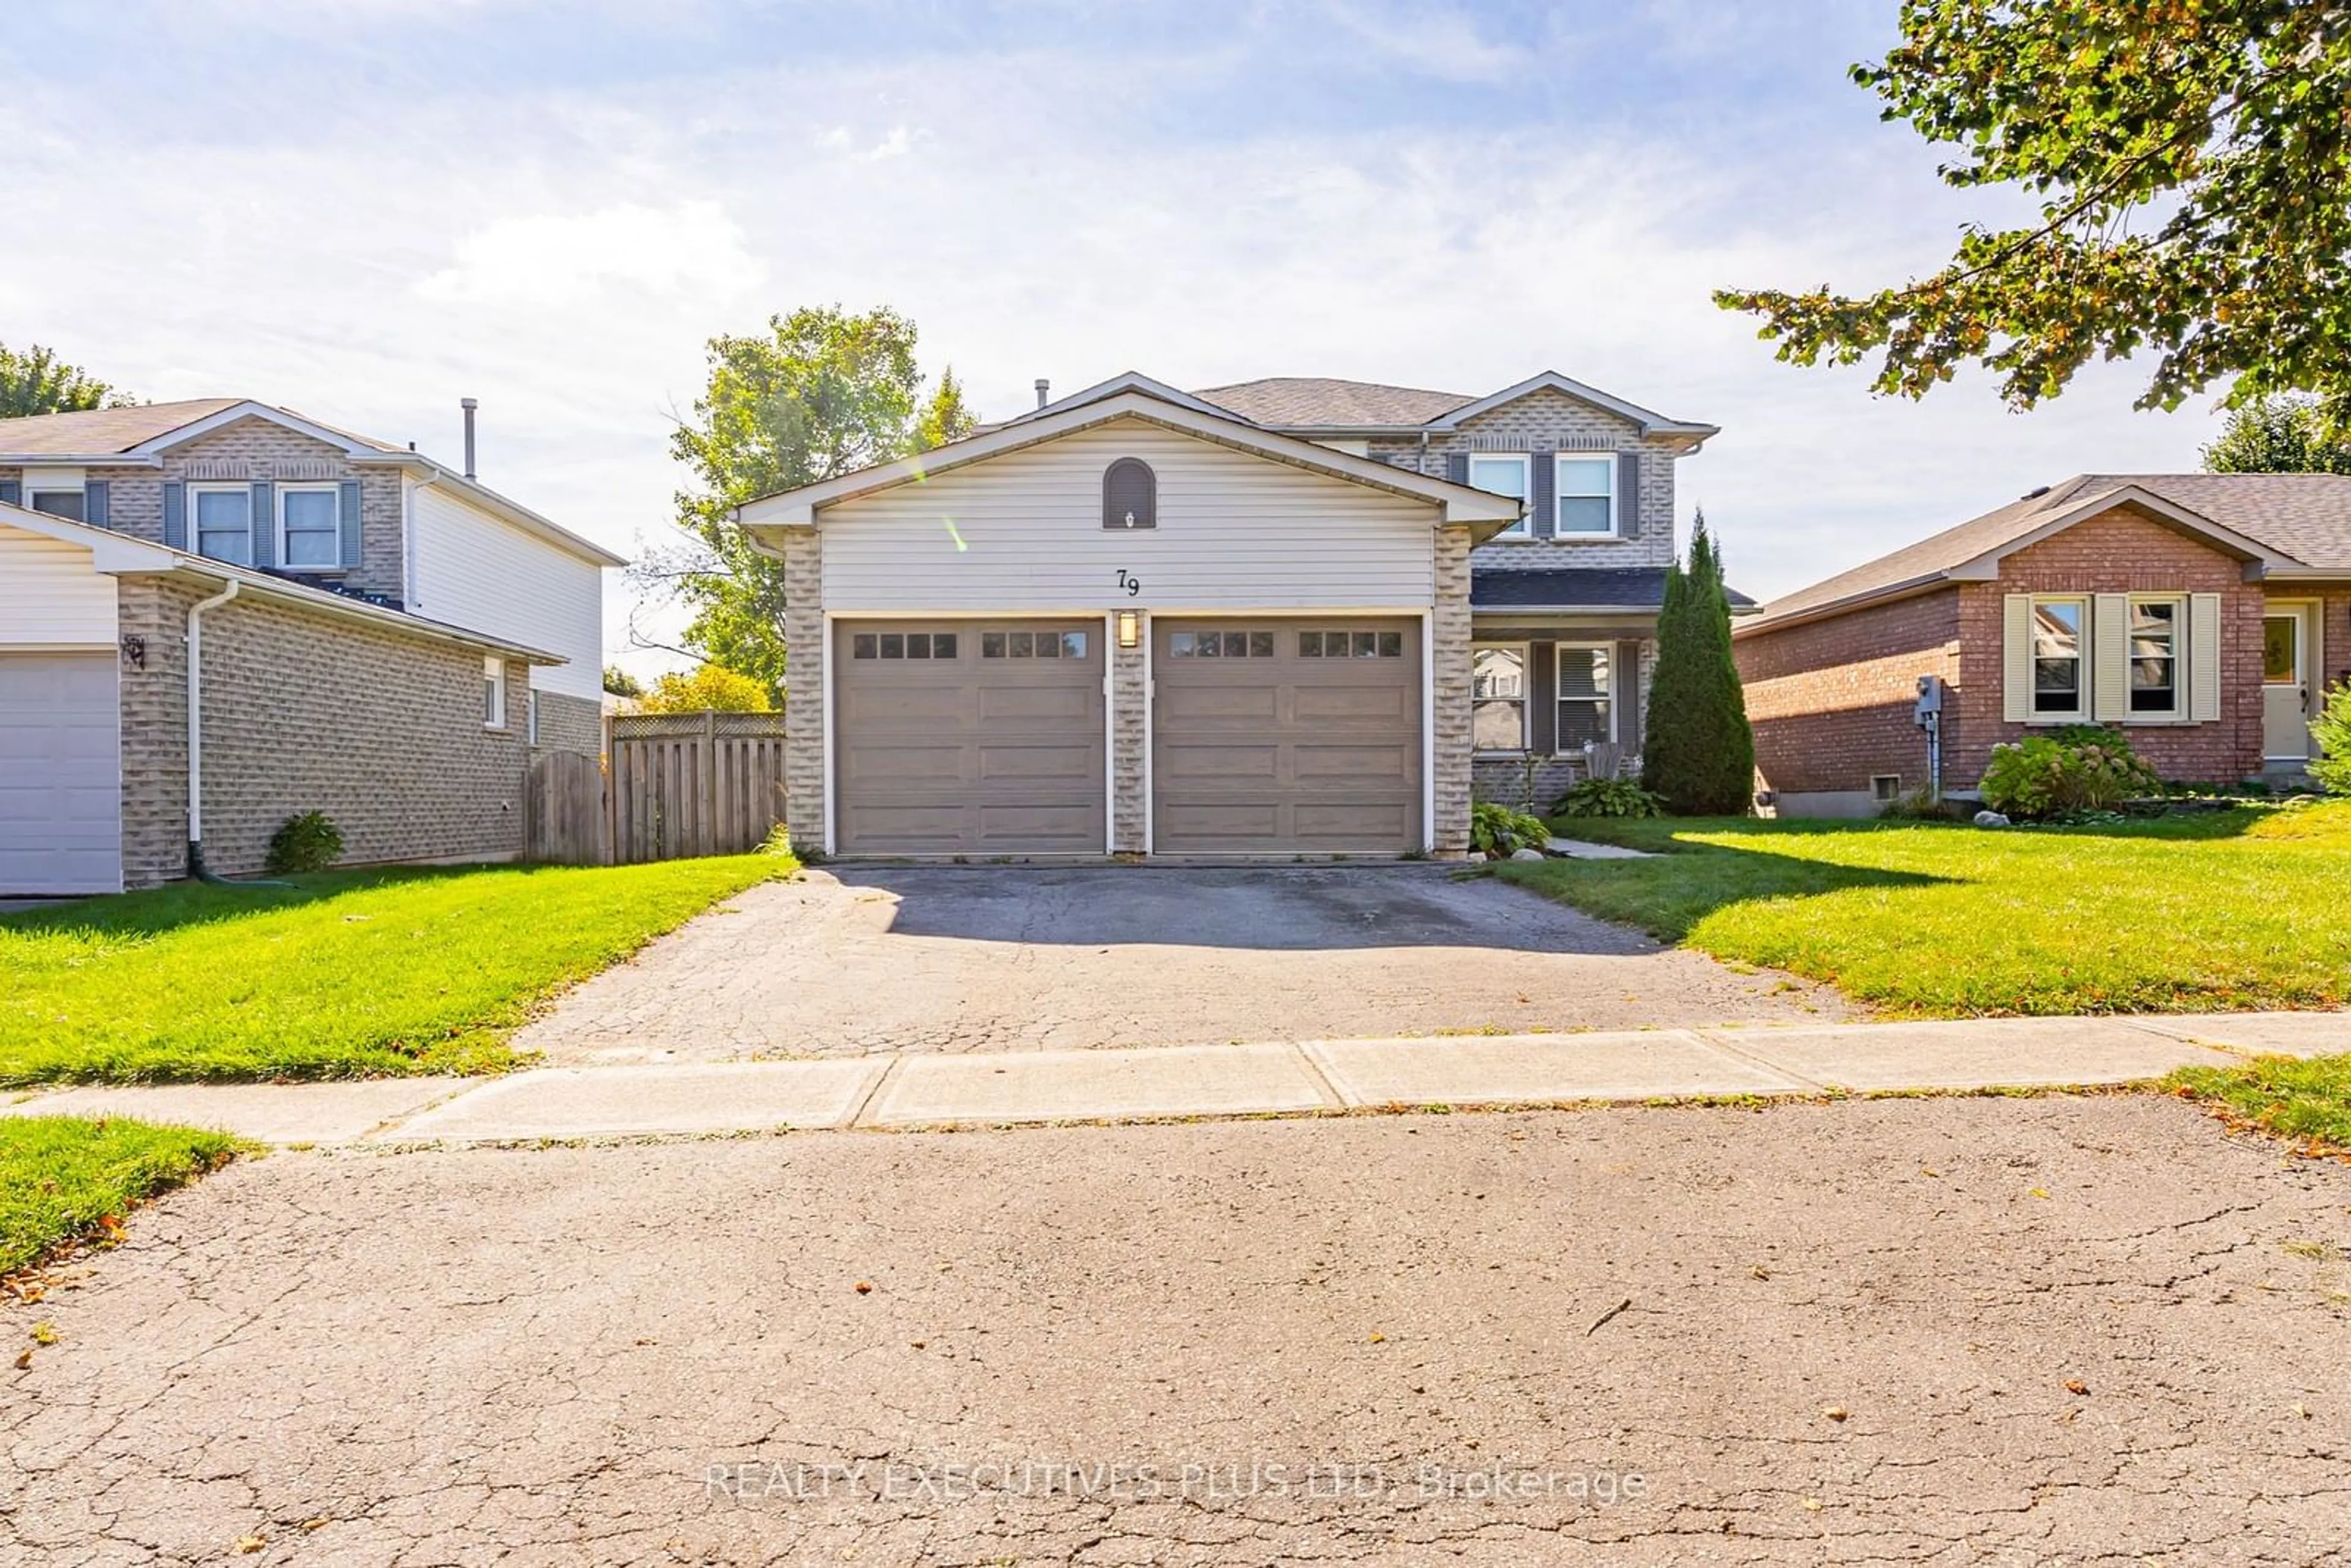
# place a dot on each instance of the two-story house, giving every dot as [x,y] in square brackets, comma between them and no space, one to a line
[1283,617]
[217,614]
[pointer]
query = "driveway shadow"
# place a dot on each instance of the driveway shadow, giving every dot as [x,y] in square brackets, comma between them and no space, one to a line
[1295,909]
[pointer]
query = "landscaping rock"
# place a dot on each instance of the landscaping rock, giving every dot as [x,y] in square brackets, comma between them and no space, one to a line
[1991,819]
[1477,857]
[1526,854]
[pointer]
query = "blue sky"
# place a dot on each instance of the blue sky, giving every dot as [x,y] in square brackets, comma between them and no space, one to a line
[368,208]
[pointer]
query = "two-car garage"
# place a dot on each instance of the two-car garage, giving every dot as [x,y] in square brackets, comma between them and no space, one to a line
[1266,735]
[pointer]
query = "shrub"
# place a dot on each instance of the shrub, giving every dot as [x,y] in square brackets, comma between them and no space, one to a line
[309,841]
[1496,830]
[1919,806]
[1608,798]
[2081,768]
[1699,752]
[2332,729]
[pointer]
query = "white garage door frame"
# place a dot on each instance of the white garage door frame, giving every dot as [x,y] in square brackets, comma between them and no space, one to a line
[1110,700]
[1420,612]
[94,652]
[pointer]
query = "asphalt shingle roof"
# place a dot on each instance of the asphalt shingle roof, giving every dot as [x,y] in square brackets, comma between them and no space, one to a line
[99,430]
[1576,588]
[2306,516]
[1321,402]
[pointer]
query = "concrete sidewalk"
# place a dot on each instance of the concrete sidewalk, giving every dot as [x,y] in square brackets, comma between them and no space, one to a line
[1000,1089]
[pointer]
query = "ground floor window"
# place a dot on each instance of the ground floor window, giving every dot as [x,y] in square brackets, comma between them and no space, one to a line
[2058,688]
[1585,695]
[2155,656]
[1498,697]
[493,694]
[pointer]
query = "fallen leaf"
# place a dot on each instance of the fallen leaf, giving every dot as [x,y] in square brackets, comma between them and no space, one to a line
[1837,1413]
[864,1288]
[1925,1172]
[2040,1192]
[2303,1411]
[1813,1505]
[318,1523]
[1378,1338]
[2075,1386]
[921,1343]
[247,1545]
[45,1333]
[1759,1273]
[23,1359]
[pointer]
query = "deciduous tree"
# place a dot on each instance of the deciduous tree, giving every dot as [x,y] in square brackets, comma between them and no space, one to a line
[37,381]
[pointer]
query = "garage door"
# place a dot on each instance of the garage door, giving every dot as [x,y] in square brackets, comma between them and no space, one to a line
[968,737]
[60,774]
[1276,735]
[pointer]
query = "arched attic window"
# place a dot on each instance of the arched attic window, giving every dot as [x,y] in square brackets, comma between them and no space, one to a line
[1130,494]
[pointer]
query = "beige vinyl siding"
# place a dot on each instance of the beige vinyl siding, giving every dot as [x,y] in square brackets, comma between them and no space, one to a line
[1023,531]
[51,595]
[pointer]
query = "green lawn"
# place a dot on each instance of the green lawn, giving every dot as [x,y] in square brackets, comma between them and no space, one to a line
[2206,912]
[2308,1102]
[62,1177]
[345,975]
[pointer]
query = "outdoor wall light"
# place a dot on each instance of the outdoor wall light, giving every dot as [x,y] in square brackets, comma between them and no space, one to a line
[1130,629]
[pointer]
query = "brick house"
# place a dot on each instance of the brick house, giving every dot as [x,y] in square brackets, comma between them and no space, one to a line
[1282,617]
[2204,615]
[363,631]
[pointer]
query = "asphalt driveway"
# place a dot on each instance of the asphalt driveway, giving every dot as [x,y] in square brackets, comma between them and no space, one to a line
[1928,1331]
[854,961]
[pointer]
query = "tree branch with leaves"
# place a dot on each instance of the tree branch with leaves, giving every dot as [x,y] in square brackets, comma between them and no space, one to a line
[2192,163]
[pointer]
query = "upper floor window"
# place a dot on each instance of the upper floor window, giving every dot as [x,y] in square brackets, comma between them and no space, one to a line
[223,521]
[59,503]
[311,521]
[1504,473]
[1587,494]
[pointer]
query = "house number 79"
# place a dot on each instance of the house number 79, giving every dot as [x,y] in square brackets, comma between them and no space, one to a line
[1131,584]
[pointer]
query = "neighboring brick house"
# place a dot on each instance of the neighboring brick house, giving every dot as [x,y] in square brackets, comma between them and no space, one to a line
[395,639]
[1282,618]
[2204,613]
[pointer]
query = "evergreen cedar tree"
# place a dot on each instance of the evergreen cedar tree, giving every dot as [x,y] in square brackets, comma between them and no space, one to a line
[2191,161]
[1699,754]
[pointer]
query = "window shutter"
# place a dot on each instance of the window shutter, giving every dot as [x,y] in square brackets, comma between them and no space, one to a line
[349,515]
[2110,657]
[1626,696]
[1542,698]
[2204,657]
[12,491]
[98,504]
[265,524]
[1628,494]
[175,514]
[1456,467]
[2016,658]
[1542,492]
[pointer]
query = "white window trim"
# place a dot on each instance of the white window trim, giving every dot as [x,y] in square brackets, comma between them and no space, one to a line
[195,517]
[1524,529]
[34,490]
[2178,712]
[286,490]
[1559,496]
[1526,699]
[531,713]
[1558,689]
[2085,639]
[494,687]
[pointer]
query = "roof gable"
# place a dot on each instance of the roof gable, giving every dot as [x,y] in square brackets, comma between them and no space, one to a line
[1649,422]
[1455,503]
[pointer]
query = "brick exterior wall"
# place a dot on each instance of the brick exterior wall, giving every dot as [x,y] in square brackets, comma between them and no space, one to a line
[2334,663]
[1546,421]
[804,712]
[308,712]
[256,449]
[1449,665]
[2120,552]
[1831,701]
[1130,745]
[570,723]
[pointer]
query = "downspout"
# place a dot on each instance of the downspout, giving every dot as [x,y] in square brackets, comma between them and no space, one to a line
[197,868]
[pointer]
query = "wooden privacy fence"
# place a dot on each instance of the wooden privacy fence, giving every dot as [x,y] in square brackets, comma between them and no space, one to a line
[670,785]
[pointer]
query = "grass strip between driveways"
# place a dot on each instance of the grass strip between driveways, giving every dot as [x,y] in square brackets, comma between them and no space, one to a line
[64,1178]
[2200,911]
[344,975]
[2308,1102]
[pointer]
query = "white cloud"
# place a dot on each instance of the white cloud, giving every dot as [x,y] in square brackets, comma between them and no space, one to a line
[552,261]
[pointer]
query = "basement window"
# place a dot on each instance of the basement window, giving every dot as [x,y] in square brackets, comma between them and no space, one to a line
[1885,787]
